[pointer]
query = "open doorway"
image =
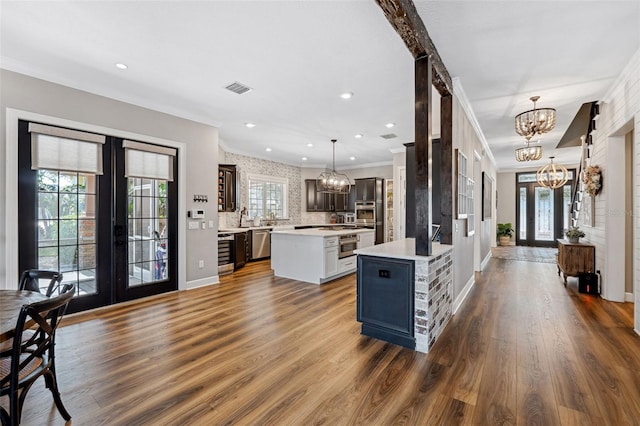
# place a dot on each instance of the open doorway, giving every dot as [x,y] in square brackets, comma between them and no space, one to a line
[629,228]
[618,274]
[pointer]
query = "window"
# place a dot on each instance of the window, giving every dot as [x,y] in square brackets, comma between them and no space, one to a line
[268,197]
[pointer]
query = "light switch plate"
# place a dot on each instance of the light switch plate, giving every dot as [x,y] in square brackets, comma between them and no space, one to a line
[193,224]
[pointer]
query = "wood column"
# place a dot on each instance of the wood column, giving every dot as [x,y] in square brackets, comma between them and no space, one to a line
[423,125]
[446,168]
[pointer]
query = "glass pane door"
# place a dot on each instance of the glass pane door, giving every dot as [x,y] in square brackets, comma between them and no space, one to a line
[147,231]
[114,238]
[541,213]
[544,214]
[67,227]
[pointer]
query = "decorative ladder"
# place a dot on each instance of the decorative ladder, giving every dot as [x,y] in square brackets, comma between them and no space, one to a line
[576,197]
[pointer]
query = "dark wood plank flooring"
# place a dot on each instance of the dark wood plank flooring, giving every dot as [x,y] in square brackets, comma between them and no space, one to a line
[258,350]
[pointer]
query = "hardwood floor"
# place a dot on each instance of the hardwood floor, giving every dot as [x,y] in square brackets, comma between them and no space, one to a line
[255,349]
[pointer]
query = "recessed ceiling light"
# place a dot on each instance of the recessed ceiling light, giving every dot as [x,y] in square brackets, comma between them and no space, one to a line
[358,136]
[310,145]
[390,125]
[268,150]
[121,66]
[250,125]
[304,158]
[346,95]
[352,158]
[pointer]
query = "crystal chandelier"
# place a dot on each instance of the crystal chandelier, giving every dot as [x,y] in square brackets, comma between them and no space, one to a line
[536,121]
[333,182]
[552,175]
[529,153]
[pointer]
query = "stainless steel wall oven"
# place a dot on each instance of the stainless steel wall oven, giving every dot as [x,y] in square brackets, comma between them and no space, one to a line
[366,213]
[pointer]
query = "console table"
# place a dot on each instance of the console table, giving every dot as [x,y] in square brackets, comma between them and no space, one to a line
[575,258]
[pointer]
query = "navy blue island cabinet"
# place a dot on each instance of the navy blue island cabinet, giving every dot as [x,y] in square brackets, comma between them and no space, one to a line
[385,300]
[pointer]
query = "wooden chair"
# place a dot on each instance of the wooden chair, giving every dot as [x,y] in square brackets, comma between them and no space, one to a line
[34,357]
[30,280]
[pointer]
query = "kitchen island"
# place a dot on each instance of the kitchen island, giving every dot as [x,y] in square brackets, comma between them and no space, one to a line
[404,298]
[317,255]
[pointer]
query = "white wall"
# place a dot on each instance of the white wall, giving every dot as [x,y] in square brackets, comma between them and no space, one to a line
[468,138]
[399,196]
[384,172]
[22,93]
[619,114]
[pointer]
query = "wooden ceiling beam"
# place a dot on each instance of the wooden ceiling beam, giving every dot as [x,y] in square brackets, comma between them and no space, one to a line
[403,16]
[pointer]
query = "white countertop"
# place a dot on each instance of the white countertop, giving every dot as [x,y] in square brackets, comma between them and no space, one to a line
[402,249]
[275,228]
[317,232]
[250,228]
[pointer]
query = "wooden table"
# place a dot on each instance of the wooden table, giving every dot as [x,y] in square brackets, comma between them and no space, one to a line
[10,303]
[575,258]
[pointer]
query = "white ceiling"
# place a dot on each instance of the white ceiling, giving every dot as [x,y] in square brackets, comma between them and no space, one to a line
[299,56]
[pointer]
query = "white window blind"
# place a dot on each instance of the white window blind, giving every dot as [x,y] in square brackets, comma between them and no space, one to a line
[268,196]
[56,148]
[148,161]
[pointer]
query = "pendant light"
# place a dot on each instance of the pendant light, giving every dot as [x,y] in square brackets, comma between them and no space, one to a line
[552,175]
[333,182]
[535,121]
[529,153]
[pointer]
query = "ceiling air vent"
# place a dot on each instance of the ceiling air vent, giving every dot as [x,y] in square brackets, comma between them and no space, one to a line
[238,88]
[389,136]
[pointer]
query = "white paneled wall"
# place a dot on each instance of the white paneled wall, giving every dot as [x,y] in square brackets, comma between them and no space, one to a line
[619,114]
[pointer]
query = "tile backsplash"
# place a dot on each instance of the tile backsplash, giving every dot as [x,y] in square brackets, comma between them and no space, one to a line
[245,166]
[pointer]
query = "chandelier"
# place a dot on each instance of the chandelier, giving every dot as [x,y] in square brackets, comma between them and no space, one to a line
[535,121]
[529,153]
[552,175]
[333,182]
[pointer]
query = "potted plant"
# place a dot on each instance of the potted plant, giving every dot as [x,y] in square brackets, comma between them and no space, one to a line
[574,234]
[504,232]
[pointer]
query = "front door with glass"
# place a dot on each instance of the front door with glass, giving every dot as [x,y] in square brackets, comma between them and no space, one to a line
[542,213]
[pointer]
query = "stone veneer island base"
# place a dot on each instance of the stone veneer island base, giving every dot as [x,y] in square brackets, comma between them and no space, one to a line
[403,298]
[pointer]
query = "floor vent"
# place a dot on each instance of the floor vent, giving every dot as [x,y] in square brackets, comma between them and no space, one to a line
[389,136]
[238,88]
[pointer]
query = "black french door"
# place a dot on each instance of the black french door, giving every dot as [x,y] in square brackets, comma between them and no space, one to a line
[542,213]
[114,237]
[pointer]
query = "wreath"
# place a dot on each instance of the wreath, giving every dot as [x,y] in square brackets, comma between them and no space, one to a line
[592,179]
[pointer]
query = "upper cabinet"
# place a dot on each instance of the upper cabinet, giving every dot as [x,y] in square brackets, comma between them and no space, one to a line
[366,189]
[227,188]
[322,202]
[315,200]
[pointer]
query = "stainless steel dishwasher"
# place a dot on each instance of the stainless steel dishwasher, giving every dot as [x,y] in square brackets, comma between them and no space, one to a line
[260,243]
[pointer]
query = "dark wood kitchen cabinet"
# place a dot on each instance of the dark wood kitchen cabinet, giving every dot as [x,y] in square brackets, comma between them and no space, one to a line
[366,189]
[227,188]
[241,249]
[322,202]
[316,201]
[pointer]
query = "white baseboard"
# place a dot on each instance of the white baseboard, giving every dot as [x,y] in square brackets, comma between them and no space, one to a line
[202,282]
[483,264]
[463,294]
[628,297]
